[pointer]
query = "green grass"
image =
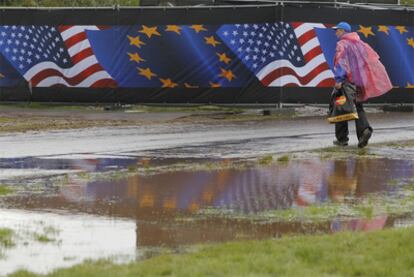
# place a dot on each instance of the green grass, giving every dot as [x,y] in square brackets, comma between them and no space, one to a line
[42,238]
[52,106]
[184,108]
[284,158]
[382,253]
[44,234]
[48,234]
[6,238]
[399,144]
[5,190]
[69,3]
[265,160]
[137,108]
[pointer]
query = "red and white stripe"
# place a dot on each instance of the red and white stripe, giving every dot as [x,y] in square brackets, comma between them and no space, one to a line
[316,71]
[86,71]
[307,195]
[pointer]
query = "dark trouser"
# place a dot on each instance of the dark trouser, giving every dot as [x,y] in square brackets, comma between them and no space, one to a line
[341,128]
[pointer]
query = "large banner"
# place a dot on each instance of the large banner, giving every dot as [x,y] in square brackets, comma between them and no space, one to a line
[276,54]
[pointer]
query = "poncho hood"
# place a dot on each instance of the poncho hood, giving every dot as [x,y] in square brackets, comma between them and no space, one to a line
[351,36]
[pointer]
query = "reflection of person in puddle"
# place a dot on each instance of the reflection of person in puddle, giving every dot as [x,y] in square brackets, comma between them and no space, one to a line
[342,182]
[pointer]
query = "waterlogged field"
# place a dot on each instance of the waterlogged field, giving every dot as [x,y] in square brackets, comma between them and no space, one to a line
[132,208]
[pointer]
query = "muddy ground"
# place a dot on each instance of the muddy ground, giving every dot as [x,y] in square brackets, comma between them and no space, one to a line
[43,117]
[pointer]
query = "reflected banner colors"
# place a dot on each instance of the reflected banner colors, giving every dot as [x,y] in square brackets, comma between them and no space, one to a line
[273,54]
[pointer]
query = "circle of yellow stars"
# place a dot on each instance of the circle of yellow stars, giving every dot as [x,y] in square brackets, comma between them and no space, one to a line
[149,32]
[368,31]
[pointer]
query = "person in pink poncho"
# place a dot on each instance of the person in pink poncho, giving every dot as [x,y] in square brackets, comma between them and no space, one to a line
[357,63]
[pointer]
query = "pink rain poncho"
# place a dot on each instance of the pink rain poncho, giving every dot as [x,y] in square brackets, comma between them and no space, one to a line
[362,66]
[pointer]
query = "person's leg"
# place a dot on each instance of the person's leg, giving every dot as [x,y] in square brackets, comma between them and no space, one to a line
[363,129]
[341,133]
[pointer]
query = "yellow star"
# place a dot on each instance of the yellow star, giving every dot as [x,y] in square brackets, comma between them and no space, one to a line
[167,83]
[401,29]
[149,31]
[211,40]
[227,74]
[135,57]
[135,41]
[146,73]
[409,85]
[187,85]
[410,42]
[223,58]
[174,28]
[383,28]
[214,85]
[198,28]
[366,31]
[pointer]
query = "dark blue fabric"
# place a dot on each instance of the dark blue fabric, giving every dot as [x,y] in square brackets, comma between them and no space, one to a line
[340,74]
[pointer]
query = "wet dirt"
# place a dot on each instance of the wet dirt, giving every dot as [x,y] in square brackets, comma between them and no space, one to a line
[170,210]
[221,140]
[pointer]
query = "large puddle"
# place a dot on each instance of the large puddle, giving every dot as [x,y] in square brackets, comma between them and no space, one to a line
[130,215]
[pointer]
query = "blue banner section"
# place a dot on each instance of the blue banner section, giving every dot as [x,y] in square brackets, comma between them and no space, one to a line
[167,56]
[395,46]
[274,54]
[327,40]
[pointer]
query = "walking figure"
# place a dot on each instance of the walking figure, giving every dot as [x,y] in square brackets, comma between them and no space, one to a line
[357,63]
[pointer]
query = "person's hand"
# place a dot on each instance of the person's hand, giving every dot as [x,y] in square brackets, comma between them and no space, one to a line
[338,85]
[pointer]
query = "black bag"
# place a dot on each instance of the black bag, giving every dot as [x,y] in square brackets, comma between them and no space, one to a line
[342,106]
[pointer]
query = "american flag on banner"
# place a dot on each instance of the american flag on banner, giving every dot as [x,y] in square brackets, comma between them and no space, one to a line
[48,56]
[280,54]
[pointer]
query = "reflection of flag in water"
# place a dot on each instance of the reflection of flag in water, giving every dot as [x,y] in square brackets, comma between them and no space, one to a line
[259,189]
[280,54]
[307,194]
[362,224]
[312,188]
[47,56]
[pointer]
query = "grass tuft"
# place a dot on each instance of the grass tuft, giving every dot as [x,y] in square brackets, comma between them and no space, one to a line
[5,189]
[284,158]
[266,160]
[6,238]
